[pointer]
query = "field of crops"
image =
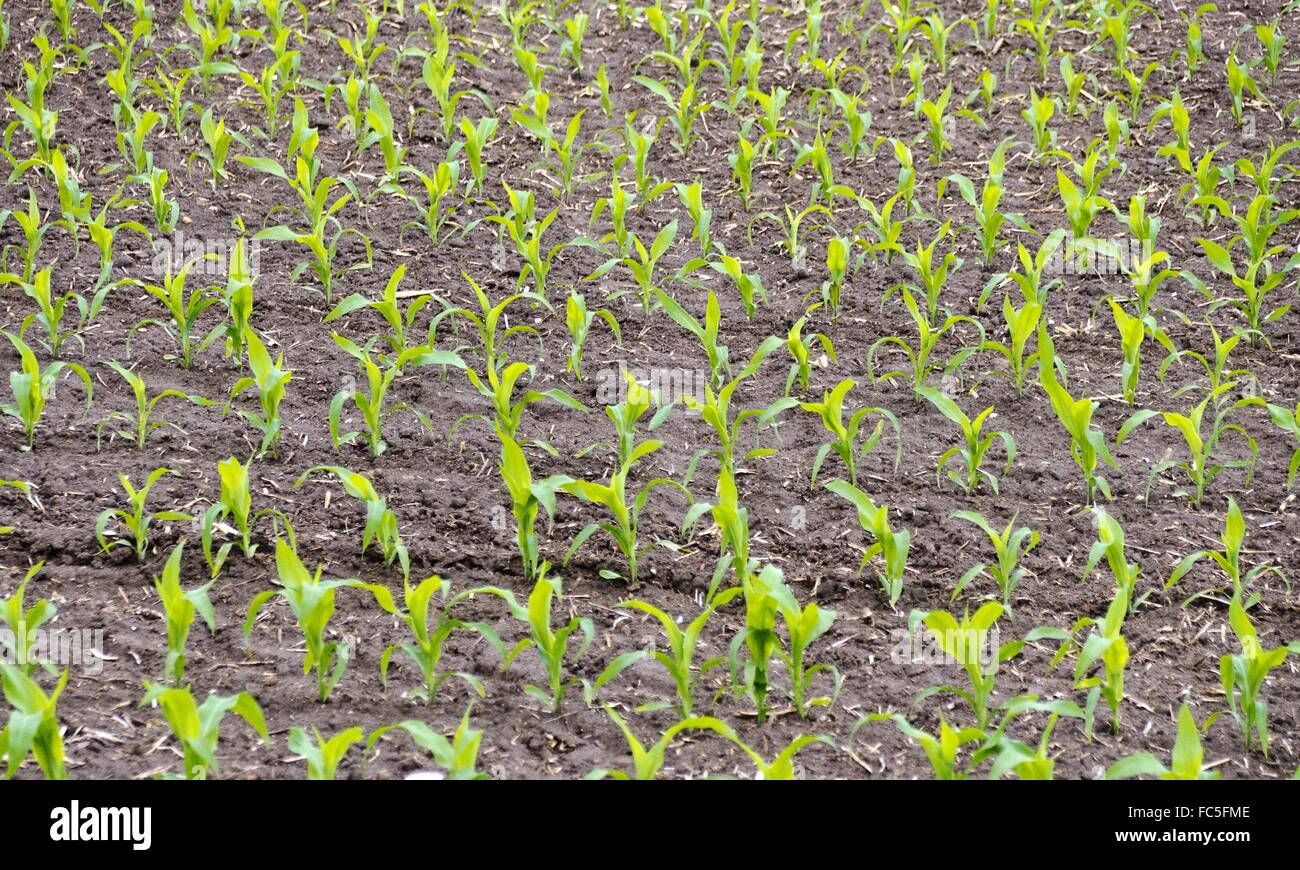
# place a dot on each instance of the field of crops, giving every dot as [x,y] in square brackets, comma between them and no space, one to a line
[565,388]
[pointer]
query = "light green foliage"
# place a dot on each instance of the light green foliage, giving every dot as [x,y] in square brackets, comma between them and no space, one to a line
[311,600]
[180,606]
[456,756]
[135,518]
[197,727]
[32,385]
[890,544]
[845,436]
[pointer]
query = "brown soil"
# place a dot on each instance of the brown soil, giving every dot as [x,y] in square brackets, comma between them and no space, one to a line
[447,492]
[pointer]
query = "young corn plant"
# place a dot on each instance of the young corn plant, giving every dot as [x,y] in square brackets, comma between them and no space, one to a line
[967,642]
[845,436]
[1021,325]
[1240,83]
[180,606]
[323,756]
[648,761]
[1010,546]
[800,348]
[183,310]
[236,506]
[706,334]
[920,357]
[552,644]
[1200,466]
[51,311]
[457,756]
[941,750]
[1288,421]
[989,220]
[269,380]
[426,612]
[759,639]
[197,727]
[135,517]
[1110,546]
[1087,444]
[579,320]
[1258,280]
[622,528]
[803,627]
[437,207]
[1032,278]
[31,387]
[975,445]
[527,496]
[890,544]
[143,422]
[1104,649]
[381,522]
[642,266]
[19,643]
[388,306]
[311,600]
[374,405]
[33,726]
[678,660]
[1229,561]
[1186,763]
[1243,675]
[715,411]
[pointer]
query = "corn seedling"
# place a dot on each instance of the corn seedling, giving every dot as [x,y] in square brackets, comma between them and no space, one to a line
[1010,545]
[1242,677]
[1087,444]
[920,357]
[135,517]
[1200,467]
[32,385]
[1187,761]
[456,756]
[648,761]
[803,627]
[236,505]
[143,422]
[381,522]
[890,544]
[311,600]
[1110,545]
[197,727]
[679,658]
[429,598]
[974,445]
[269,380]
[33,726]
[1229,561]
[613,496]
[322,756]
[180,607]
[579,319]
[800,348]
[845,436]
[967,642]
[19,643]
[183,310]
[527,496]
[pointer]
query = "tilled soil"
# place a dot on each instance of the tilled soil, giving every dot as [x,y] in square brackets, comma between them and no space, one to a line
[448,494]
